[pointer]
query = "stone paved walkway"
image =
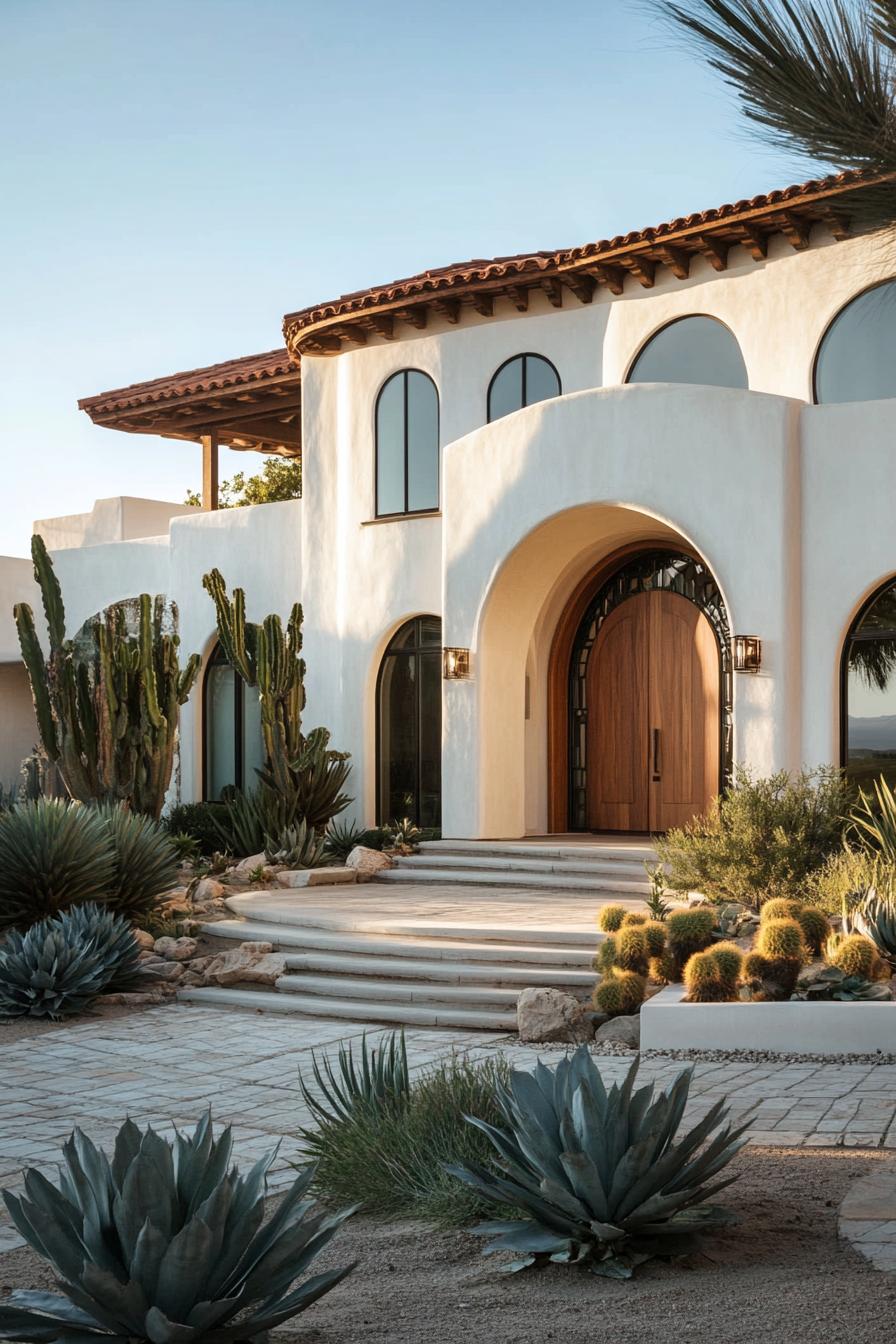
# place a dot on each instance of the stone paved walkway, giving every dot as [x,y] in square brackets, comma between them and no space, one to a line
[165,1066]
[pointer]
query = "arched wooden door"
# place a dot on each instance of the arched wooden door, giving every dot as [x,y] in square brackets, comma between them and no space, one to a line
[653,715]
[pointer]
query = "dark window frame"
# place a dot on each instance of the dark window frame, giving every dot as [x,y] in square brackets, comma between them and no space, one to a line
[851,635]
[405,512]
[214,660]
[415,651]
[829,325]
[648,340]
[524,355]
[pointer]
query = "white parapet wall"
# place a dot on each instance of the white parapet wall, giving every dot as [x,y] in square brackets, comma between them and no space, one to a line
[793,1027]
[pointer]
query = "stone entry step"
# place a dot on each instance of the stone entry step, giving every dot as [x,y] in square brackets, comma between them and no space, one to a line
[470,875]
[592,867]
[447,971]
[355,1010]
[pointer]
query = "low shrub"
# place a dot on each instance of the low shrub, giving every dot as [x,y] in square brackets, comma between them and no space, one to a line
[846,876]
[146,862]
[388,1145]
[596,1172]
[620,993]
[165,1240]
[764,838]
[206,823]
[52,855]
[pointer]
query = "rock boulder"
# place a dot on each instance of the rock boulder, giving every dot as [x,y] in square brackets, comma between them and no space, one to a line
[368,862]
[550,1015]
[622,1030]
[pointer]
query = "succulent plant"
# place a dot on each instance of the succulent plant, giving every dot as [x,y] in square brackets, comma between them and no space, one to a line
[605,957]
[655,937]
[165,1243]
[781,907]
[857,955]
[633,918]
[597,1171]
[729,959]
[664,969]
[52,855]
[689,931]
[343,836]
[816,928]
[702,980]
[875,917]
[610,918]
[44,973]
[107,701]
[297,846]
[631,949]
[146,862]
[781,939]
[657,905]
[381,1077]
[113,936]
[620,993]
[832,983]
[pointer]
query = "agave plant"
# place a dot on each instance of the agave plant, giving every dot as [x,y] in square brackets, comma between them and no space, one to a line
[165,1243]
[598,1171]
[874,916]
[146,861]
[343,836]
[61,964]
[297,846]
[52,855]
[874,820]
[380,1078]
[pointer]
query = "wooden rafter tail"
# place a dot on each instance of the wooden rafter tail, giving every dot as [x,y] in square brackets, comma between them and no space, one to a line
[519,297]
[484,304]
[715,250]
[755,240]
[837,224]
[553,290]
[581,284]
[642,268]
[795,229]
[677,260]
[449,309]
[611,276]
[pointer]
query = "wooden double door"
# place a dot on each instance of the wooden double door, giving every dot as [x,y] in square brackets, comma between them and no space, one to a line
[653,715]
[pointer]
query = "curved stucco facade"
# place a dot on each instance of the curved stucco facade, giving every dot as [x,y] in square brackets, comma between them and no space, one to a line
[787,503]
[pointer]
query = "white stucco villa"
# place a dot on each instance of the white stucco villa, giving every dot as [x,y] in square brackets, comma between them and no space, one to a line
[579,529]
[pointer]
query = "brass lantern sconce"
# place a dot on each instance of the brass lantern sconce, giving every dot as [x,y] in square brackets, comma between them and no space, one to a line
[747,653]
[455,664]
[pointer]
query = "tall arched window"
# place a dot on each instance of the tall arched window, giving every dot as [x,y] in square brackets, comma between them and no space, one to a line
[407,444]
[855,358]
[519,382]
[691,350]
[233,747]
[409,724]
[869,690]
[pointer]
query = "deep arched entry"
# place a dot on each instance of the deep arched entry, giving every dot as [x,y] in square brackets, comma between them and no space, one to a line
[648,695]
[409,724]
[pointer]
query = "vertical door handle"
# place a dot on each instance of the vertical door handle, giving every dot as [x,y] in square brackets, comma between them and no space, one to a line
[656,754]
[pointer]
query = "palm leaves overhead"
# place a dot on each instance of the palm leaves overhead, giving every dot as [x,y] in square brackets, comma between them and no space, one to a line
[816,76]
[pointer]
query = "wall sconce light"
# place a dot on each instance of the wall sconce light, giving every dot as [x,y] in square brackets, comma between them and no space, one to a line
[455,664]
[747,653]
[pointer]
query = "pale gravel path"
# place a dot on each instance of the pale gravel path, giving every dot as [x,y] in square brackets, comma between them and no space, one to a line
[166,1065]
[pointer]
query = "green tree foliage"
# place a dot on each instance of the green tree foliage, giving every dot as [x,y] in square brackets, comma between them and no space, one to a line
[280,478]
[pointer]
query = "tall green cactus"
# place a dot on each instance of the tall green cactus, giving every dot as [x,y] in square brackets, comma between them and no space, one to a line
[107,701]
[297,767]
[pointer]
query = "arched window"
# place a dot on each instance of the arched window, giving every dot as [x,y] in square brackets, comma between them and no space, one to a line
[855,358]
[520,382]
[233,747]
[869,691]
[409,724]
[691,350]
[407,444]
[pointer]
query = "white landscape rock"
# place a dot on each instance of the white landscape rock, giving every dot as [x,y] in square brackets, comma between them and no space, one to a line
[315,877]
[368,862]
[176,949]
[208,890]
[621,1030]
[246,867]
[237,964]
[551,1015]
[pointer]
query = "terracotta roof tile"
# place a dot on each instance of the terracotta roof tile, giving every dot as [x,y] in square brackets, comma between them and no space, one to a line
[213,378]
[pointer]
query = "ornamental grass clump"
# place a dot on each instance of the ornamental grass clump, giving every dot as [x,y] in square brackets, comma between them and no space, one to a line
[166,1242]
[52,856]
[596,1172]
[385,1139]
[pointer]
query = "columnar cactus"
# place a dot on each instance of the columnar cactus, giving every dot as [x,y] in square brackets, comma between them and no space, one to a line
[107,700]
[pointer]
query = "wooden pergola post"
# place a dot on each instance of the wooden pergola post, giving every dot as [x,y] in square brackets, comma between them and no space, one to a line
[209,470]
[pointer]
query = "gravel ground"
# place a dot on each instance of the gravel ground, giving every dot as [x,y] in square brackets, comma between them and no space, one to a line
[781,1276]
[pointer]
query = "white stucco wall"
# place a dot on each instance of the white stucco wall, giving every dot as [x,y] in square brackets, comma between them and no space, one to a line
[122,518]
[16,585]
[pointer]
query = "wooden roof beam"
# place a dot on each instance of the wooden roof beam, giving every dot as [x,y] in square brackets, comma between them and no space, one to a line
[755,241]
[484,304]
[383,324]
[416,315]
[795,230]
[642,268]
[678,261]
[837,223]
[715,251]
[519,297]
[449,309]
[611,276]
[582,285]
[202,421]
[553,290]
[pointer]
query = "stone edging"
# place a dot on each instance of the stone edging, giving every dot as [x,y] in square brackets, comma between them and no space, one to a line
[867,1217]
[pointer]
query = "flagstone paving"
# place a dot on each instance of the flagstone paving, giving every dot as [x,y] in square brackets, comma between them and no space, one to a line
[165,1066]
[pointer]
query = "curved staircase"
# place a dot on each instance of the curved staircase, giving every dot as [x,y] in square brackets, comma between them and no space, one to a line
[425,945]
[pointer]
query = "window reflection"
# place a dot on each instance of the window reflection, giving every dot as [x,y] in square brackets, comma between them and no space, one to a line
[692,350]
[409,782]
[234,747]
[870,689]
[855,358]
[407,444]
[522,381]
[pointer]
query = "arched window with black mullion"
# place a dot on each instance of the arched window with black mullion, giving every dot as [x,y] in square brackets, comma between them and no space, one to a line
[407,445]
[233,748]
[409,724]
[521,381]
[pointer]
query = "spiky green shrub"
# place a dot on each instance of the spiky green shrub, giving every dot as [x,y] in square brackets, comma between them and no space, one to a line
[343,836]
[873,821]
[846,876]
[146,862]
[816,928]
[729,960]
[205,822]
[781,938]
[610,918]
[657,905]
[875,918]
[857,955]
[387,1138]
[297,846]
[620,993]
[702,980]
[780,907]
[765,838]
[631,949]
[165,1243]
[688,931]
[52,856]
[633,918]
[597,1172]
[655,937]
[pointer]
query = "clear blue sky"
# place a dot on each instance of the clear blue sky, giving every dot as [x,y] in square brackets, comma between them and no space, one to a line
[177,174]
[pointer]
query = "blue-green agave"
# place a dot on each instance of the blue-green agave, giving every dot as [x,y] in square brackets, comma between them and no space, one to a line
[165,1243]
[598,1172]
[380,1077]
